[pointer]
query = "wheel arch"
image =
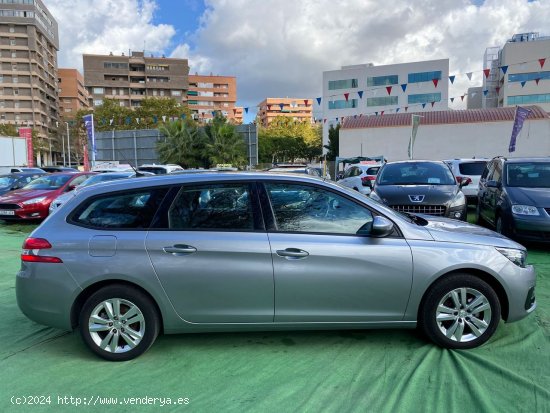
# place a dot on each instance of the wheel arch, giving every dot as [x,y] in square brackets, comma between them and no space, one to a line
[488,278]
[91,289]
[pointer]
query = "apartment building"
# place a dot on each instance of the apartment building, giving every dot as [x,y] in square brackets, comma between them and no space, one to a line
[366,89]
[73,95]
[209,94]
[518,72]
[130,79]
[28,68]
[300,110]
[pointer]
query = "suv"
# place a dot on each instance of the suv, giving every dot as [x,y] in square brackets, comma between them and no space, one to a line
[514,197]
[358,176]
[124,261]
[468,168]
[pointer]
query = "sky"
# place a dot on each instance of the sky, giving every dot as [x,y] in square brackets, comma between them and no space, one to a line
[280,48]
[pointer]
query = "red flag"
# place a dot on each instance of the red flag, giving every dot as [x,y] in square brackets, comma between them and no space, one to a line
[462,97]
[541,61]
[497,89]
[346,95]
[486,72]
[435,82]
[381,113]
[234,111]
[268,107]
[306,101]
[537,80]
[388,89]
[432,104]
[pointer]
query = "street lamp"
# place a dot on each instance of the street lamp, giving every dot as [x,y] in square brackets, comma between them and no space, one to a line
[68,143]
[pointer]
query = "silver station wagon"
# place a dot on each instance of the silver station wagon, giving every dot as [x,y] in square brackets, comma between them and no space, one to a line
[243,252]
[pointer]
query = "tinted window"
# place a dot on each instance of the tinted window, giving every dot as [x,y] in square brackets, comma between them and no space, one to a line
[48,182]
[528,175]
[416,173]
[471,168]
[301,208]
[77,181]
[130,209]
[373,170]
[212,207]
[6,181]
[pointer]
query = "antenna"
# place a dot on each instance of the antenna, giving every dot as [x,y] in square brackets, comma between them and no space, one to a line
[138,173]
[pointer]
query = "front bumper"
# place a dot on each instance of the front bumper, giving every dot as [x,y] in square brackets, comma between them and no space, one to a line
[27,212]
[532,228]
[520,288]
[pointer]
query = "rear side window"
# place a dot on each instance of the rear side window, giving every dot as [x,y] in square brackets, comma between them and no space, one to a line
[123,210]
[471,168]
[373,171]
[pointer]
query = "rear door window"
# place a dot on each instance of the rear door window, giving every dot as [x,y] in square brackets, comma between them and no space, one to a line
[471,168]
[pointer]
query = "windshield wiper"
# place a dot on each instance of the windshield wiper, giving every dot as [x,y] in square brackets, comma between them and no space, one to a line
[415,218]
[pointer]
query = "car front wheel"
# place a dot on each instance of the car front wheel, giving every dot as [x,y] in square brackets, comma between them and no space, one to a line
[119,322]
[460,311]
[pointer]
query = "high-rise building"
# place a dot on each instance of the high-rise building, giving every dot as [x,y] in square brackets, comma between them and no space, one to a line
[296,108]
[361,90]
[209,94]
[130,79]
[28,78]
[73,96]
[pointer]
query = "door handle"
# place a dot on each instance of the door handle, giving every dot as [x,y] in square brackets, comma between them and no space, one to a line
[179,249]
[292,253]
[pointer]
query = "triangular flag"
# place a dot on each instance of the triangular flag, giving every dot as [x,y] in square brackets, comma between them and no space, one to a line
[360,93]
[504,69]
[452,100]
[325,120]
[382,113]
[537,80]
[336,119]
[137,121]
[541,62]
[404,86]
[128,120]
[522,83]
[497,89]
[319,102]
[406,108]
[486,72]
[435,81]
[111,121]
[423,105]
[354,116]
[346,96]
[234,111]
[452,79]
[376,113]
[469,74]
[214,113]
[396,110]
[268,107]
[164,118]
[432,104]
[155,119]
[485,92]
[462,98]
[388,89]
[306,101]
[281,105]
[246,110]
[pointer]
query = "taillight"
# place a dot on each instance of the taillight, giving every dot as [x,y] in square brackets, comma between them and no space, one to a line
[365,179]
[459,179]
[30,251]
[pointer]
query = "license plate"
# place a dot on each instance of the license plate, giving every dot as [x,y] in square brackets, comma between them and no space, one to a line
[6,212]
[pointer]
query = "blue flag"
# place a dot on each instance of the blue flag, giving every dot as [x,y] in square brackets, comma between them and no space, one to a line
[521,115]
[89,124]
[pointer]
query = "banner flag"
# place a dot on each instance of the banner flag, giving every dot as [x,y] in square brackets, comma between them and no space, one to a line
[89,125]
[521,115]
[27,134]
[415,121]
[452,79]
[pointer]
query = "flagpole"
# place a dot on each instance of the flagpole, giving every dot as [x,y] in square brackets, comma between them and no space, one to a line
[93,142]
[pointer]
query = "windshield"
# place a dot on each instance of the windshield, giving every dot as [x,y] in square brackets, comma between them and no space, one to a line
[49,182]
[528,174]
[416,173]
[6,181]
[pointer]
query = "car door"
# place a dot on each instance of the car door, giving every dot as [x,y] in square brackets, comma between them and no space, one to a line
[483,194]
[493,192]
[324,271]
[211,254]
[346,180]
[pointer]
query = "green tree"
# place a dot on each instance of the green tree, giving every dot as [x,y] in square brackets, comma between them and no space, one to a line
[185,144]
[8,130]
[333,142]
[225,145]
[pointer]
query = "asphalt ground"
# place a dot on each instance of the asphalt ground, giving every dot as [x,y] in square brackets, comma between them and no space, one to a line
[44,369]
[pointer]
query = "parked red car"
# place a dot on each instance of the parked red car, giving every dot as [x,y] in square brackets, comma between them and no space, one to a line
[33,200]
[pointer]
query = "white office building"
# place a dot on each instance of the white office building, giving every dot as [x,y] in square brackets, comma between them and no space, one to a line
[364,90]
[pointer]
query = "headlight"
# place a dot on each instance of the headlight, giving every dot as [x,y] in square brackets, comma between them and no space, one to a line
[34,200]
[459,200]
[525,210]
[374,196]
[518,257]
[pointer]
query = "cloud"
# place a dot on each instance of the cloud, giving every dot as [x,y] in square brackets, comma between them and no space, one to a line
[104,26]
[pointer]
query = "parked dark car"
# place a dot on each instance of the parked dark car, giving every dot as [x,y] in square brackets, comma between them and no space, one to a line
[422,187]
[33,200]
[514,198]
[53,169]
[16,180]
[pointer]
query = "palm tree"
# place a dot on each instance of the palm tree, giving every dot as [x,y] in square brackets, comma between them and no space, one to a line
[184,144]
[225,145]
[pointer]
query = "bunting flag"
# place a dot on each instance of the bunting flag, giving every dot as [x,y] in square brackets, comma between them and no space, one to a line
[388,89]
[504,69]
[537,80]
[452,100]
[497,89]
[268,107]
[336,119]
[485,92]
[234,111]
[406,108]
[404,87]
[163,118]
[469,74]
[325,120]
[137,121]
[382,113]
[319,101]
[486,72]
[522,83]
[435,81]
[396,110]
[452,79]
[155,118]
[360,93]
[346,96]
[423,106]
[462,98]
[541,62]
[521,115]
[432,104]
[111,121]
[281,105]
[306,101]
[354,116]
[376,113]
[246,110]
[103,121]
[214,113]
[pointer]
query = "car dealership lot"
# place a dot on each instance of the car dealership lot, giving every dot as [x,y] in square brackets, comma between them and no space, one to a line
[385,370]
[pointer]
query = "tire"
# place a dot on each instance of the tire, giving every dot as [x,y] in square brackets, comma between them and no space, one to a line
[456,327]
[111,336]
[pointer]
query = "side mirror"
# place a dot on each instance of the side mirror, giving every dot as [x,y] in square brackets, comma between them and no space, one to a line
[465,182]
[339,176]
[380,227]
[493,184]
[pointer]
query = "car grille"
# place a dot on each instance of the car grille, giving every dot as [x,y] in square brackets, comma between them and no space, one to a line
[421,209]
[9,206]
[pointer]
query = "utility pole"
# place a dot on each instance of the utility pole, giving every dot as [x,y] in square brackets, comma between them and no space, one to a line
[68,143]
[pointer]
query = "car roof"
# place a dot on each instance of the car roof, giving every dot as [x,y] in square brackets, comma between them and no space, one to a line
[25,173]
[415,161]
[526,159]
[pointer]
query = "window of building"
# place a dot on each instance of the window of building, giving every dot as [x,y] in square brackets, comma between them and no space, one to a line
[98,90]
[14,66]
[12,29]
[16,91]
[176,92]
[192,93]
[159,68]
[14,55]
[15,79]
[382,80]
[98,102]
[115,65]
[382,101]
[155,92]
[207,85]
[524,99]
[424,98]
[12,42]
[2,104]
[1,78]
[161,92]
[342,104]
[122,103]
[68,110]
[192,102]
[342,84]
[525,77]
[424,76]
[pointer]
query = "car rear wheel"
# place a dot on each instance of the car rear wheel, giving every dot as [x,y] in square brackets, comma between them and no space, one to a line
[119,322]
[460,311]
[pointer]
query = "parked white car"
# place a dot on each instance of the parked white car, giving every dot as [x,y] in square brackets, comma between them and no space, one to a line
[358,176]
[160,169]
[468,168]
